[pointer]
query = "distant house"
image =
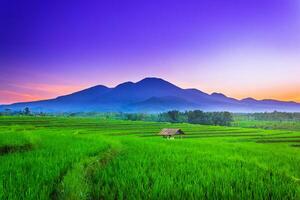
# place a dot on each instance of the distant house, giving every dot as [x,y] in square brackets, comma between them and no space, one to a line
[170,132]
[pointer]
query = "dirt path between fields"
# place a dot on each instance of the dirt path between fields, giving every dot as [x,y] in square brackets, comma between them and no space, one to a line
[76,182]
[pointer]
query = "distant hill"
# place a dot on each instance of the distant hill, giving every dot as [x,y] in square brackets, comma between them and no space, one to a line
[150,95]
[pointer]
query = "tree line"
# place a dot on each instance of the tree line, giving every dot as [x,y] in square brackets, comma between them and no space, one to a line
[193,117]
[173,116]
[270,116]
[8,112]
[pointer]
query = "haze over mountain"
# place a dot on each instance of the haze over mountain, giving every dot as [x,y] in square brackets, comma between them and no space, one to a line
[150,95]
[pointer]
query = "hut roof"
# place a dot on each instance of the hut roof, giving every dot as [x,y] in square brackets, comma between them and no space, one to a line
[171,131]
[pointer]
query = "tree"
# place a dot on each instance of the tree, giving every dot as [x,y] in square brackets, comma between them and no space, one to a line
[227,118]
[26,111]
[7,111]
[173,115]
[196,117]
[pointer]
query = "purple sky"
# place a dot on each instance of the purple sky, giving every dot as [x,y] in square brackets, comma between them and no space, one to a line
[238,47]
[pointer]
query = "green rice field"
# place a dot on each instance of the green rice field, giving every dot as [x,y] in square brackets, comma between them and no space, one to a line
[91,158]
[279,125]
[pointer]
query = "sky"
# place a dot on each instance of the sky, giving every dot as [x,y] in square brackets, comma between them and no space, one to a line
[242,48]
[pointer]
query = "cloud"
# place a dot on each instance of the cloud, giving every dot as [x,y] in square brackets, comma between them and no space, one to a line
[50,88]
[34,91]
[7,97]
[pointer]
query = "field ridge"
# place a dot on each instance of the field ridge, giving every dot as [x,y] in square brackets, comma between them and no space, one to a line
[77,182]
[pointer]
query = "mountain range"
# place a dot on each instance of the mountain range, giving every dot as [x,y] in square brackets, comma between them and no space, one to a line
[150,95]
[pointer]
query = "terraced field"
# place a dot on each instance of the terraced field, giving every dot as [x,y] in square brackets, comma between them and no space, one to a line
[89,158]
[279,125]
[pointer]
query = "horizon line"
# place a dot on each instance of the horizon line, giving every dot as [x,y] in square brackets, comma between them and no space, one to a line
[150,77]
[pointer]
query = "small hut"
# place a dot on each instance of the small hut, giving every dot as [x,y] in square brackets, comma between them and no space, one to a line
[170,132]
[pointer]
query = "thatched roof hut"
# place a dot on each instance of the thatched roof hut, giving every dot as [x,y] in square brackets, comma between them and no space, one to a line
[169,132]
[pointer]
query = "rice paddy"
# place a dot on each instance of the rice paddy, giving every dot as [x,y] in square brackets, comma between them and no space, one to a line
[90,158]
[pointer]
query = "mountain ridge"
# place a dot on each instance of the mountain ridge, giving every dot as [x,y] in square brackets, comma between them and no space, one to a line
[150,94]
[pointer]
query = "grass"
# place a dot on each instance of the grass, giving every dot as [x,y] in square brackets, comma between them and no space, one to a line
[89,158]
[279,125]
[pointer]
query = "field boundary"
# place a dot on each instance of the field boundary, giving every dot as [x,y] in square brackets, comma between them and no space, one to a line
[76,183]
[8,149]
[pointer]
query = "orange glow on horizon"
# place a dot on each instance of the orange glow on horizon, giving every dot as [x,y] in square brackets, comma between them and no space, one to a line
[36,92]
[47,91]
